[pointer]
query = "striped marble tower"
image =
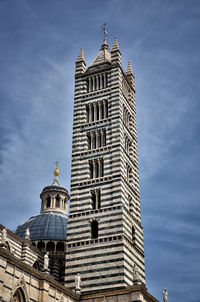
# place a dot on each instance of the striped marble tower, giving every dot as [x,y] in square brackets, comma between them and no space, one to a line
[104,235]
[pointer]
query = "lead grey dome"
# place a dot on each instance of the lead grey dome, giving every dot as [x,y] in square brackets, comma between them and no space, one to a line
[51,225]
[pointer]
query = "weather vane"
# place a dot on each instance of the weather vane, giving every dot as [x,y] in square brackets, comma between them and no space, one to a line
[104,30]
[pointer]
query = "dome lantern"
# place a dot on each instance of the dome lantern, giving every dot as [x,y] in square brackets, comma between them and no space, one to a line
[54,197]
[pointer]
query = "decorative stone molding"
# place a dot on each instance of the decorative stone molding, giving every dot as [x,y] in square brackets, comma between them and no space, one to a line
[20,284]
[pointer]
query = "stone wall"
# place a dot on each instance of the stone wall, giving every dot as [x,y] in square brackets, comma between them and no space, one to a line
[36,286]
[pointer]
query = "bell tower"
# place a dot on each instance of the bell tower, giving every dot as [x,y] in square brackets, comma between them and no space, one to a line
[104,235]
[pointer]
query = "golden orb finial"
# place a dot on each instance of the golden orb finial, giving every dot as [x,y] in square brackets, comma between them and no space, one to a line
[56,171]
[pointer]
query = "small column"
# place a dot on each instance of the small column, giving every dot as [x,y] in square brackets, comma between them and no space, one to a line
[97,82]
[90,84]
[104,78]
[104,108]
[45,245]
[90,113]
[99,138]
[92,140]
[95,112]
[102,138]
[100,168]
[100,111]
[94,170]
[44,204]
[101,82]
[99,199]
[52,202]
[93,83]
[96,199]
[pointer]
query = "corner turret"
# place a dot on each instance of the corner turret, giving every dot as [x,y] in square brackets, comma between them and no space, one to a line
[130,76]
[115,53]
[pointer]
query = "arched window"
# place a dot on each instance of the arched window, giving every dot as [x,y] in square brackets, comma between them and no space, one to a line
[48,202]
[92,113]
[87,113]
[96,199]
[133,234]
[65,204]
[57,201]
[19,296]
[96,169]
[106,104]
[99,199]
[101,168]
[94,229]
[104,138]
[91,169]
[89,141]
[36,265]
[97,106]
[93,196]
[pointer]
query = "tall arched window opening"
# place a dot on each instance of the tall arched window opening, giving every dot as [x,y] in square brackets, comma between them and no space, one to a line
[91,169]
[57,201]
[94,229]
[19,296]
[48,202]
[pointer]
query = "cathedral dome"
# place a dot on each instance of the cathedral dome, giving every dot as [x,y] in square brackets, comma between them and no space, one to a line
[51,225]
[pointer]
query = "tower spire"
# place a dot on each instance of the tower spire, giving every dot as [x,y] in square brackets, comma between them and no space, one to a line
[80,56]
[130,76]
[115,45]
[80,63]
[129,68]
[115,53]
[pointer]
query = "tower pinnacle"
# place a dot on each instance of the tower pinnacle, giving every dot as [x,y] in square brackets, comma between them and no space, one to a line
[80,64]
[115,45]
[129,68]
[115,53]
[80,56]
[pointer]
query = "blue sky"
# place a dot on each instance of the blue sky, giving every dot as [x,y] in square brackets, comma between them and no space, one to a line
[39,43]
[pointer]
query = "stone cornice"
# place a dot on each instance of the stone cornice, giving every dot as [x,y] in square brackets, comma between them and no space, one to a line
[120,291]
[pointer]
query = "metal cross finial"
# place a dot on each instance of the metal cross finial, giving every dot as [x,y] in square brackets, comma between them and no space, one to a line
[56,163]
[104,30]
